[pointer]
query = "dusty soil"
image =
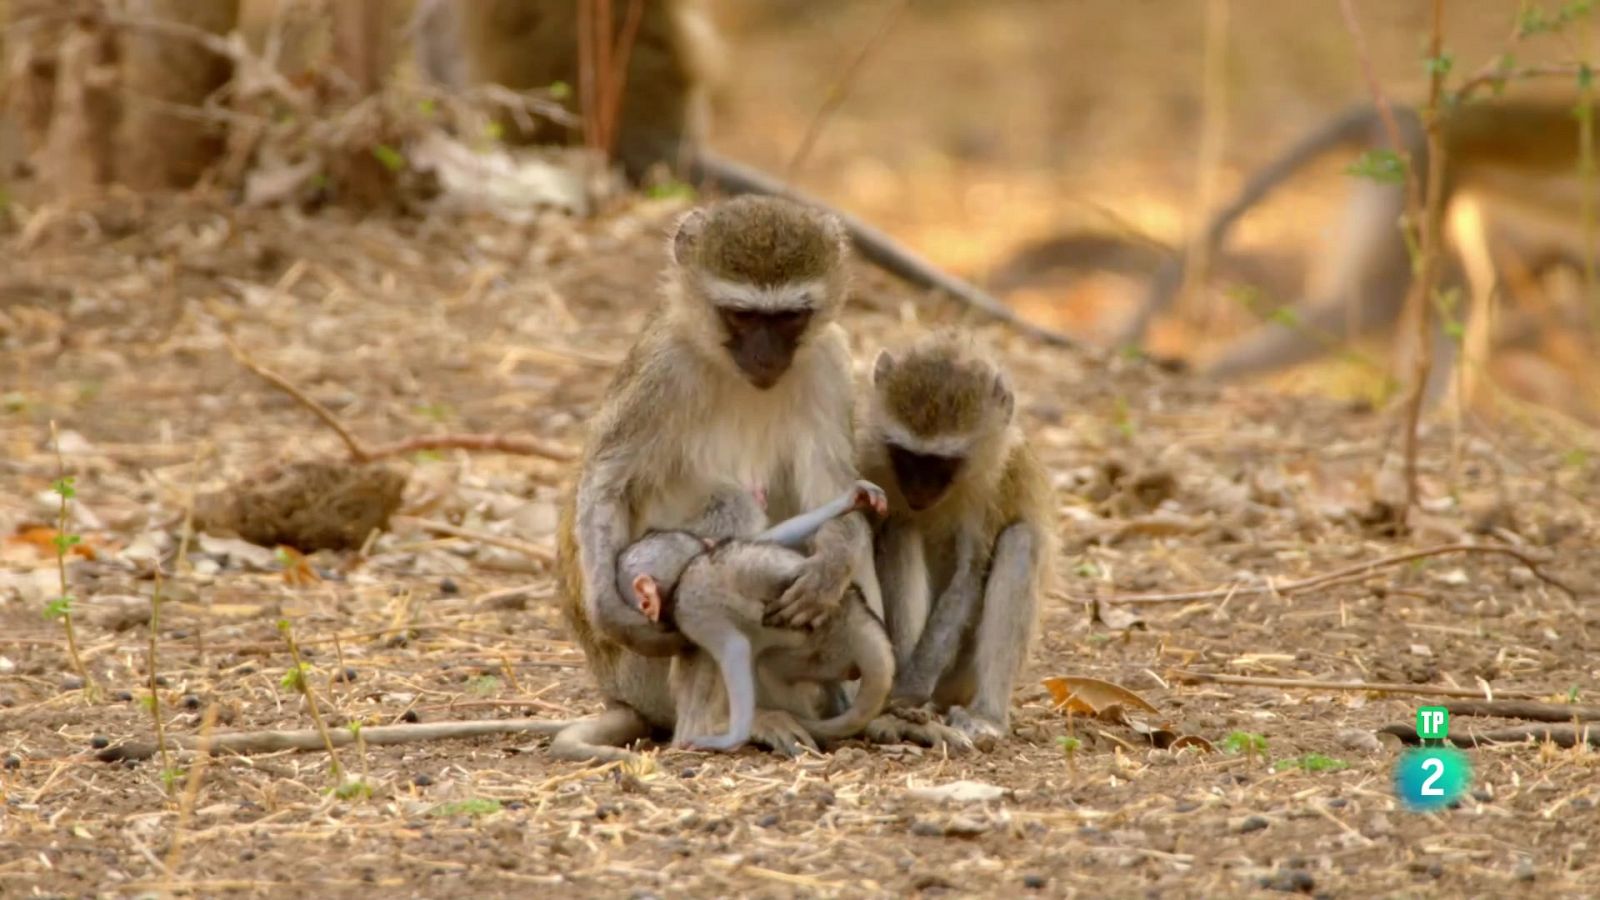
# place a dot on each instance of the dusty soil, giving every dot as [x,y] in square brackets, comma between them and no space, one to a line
[113,316]
[112,325]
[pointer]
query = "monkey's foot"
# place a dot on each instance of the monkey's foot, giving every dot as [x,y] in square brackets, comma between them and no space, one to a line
[780,732]
[893,728]
[720,743]
[983,731]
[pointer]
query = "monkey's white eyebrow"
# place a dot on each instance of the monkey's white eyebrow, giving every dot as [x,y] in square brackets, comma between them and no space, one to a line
[794,296]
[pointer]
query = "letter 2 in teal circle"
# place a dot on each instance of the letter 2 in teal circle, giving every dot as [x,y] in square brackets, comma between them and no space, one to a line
[1431,778]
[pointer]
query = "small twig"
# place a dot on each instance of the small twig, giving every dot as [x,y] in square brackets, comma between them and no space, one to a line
[361,453]
[493,443]
[357,452]
[840,89]
[1566,736]
[1380,100]
[155,696]
[531,550]
[1525,709]
[303,685]
[1426,265]
[1491,73]
[191,791]
[314,739]
[618,77]
[1310,684]
[63,544]
[1316,581]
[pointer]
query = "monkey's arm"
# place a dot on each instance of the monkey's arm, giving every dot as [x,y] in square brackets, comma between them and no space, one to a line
[602,526]
[953,611]
[795,531]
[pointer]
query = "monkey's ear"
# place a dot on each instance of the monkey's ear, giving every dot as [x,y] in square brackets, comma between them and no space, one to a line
[644,587]
[687,235]
[1004,400]
[882,366]
[836,230]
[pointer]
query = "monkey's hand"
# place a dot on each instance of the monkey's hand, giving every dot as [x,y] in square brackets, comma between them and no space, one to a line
[815,593]
[780,732]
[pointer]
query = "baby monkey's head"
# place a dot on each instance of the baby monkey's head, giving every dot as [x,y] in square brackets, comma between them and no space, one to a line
[648,571]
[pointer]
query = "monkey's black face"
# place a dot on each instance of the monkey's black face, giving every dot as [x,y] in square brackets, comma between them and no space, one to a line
[923,477]
[762,344]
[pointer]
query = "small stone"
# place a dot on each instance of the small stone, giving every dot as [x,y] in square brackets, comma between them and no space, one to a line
[12,762]
[72,683]
[410,717]
[123,697]
[1338,803]
[448,587]
[422,779]
[770,820]
[191,701]
[925,828]
[1034,882]
[347,675]
[1292,881]
[1482,796]
[689,772]
[605,811]
[1251,823]
[99,742]
[1360,740]
[1524,872]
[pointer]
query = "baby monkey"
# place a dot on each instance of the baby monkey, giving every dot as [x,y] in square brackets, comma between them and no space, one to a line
[717,590]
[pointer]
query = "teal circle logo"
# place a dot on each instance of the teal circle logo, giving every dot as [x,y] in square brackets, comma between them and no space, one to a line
[1431,778]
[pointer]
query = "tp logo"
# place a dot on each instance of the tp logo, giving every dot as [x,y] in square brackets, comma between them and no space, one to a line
[1432,778]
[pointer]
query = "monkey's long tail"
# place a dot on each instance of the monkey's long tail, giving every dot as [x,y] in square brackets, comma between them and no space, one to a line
[874,246]
[1355,124]
[870,647]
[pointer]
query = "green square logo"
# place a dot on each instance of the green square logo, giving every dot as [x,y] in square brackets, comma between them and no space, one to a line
[1433,723]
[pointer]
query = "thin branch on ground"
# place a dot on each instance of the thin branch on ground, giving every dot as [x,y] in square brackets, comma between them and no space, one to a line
[1310,684]
[1564,736]
[361,453]
[530,550]
[1350,572]
[1531,710]
[313,739]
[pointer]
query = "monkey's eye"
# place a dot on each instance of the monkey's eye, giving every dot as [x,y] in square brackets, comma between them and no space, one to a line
[739,321]
[790,321]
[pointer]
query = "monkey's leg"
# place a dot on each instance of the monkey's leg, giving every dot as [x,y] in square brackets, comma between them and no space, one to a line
[903,575]
[731,649]
[1471,240]
[601,738]
[947,625]
[1005,631]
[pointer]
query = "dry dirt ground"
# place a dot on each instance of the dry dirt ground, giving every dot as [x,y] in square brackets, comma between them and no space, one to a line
[112,320]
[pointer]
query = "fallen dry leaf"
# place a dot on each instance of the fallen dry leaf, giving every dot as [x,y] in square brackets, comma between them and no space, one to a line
[1091,696]
[43,538]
